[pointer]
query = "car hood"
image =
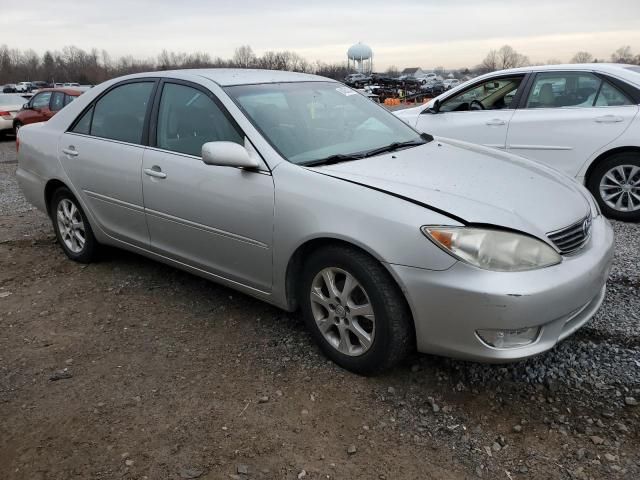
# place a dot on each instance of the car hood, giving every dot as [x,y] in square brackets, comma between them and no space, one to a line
[474,185]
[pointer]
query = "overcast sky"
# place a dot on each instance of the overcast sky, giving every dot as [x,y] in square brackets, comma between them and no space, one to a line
[426,33]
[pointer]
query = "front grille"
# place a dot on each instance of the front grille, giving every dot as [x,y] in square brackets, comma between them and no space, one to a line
[572,238]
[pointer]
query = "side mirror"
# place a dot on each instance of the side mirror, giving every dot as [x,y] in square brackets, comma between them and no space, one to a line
[228,154]
[26,106]
[435,108]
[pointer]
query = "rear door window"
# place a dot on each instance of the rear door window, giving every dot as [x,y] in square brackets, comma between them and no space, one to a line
[564,89]
[120,114]
[57,101]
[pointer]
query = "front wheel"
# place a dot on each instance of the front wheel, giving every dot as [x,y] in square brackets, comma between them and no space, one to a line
[615,183]
[72,227]
[355,311]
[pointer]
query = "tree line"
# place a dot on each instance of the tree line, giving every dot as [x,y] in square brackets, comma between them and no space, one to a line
[73,64]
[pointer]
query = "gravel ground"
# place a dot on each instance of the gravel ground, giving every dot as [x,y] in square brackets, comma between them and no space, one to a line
[228,384]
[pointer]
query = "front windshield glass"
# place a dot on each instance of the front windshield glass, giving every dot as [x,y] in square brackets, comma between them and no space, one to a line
[310,121]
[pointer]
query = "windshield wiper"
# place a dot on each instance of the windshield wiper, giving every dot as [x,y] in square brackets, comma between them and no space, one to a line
[331,159]
[393,147]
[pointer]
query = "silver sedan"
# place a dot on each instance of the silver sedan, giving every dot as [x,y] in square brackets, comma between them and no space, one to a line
[299,191]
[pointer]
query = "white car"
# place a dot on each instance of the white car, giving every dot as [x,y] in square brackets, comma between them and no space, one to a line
[580,119]
[10,104]
[428,78]
[24,87]
[450,83]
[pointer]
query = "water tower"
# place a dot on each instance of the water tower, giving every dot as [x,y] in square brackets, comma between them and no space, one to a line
[360,58]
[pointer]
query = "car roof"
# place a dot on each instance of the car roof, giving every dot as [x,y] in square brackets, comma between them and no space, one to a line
[238,76]
[615,69]
[74,92]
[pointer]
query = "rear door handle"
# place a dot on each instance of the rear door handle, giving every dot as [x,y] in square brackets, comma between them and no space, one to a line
[155,171]
[609,119]
[71,151]
[496,122]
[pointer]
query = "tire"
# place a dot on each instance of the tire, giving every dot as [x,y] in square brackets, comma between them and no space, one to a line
[66,214]
[390,332]
[17,126]
[618,173]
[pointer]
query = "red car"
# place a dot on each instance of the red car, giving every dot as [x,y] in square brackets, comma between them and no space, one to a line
[44,105]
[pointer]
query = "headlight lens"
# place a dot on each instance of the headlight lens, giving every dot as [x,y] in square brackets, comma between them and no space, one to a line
[495,250]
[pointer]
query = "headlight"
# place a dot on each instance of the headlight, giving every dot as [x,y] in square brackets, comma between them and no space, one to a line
[496,250]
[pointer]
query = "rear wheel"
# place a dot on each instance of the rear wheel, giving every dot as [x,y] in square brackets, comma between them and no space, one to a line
[355,311]
[615,183]
[72,227]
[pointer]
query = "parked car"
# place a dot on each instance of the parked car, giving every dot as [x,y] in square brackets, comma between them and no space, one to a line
[24,87]
[450,83]
[580,119]
[428,77]
[44,105]
[9,88]
[71,84]
[10,104]
[434,88]
[316,198]
[357,79]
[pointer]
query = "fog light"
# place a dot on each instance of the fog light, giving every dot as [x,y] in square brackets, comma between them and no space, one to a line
[509,338]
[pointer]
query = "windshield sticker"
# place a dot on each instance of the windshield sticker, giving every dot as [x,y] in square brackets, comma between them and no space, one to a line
[346,91]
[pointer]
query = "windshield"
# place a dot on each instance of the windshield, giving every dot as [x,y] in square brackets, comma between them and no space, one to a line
[310,121]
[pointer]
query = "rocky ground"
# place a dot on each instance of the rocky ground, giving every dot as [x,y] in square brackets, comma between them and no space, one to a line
[130,369]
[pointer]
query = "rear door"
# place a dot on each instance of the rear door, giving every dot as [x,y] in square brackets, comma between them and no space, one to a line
[219,219]
[478,114]
[102,155]
[566,117]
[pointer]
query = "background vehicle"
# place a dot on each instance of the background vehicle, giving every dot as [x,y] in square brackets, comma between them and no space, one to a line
[433,87]
[10,104]
[428,77]
[9,88]
[580,119]
[450,83]
[378,266]
[357,79]
[24,87]
[44,105]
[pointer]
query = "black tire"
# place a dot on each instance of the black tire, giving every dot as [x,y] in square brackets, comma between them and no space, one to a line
[394,336]
[596,176]
[17,126]
[89,249]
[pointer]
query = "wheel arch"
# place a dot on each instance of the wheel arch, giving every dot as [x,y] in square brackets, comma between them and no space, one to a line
[49,189]
[605,155]
[296,264]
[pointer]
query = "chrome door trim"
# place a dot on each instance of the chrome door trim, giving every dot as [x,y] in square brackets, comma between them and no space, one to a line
[206,228]
[115,201]
[539,147]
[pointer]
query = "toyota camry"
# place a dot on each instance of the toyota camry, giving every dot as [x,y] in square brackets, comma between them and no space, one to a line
[300,191]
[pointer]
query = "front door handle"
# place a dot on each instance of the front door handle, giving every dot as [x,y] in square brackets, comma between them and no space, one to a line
[609,119]
[495,122]
[71,151]
[155,171]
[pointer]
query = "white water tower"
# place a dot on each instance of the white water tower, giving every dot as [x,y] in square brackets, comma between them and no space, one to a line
[360,58]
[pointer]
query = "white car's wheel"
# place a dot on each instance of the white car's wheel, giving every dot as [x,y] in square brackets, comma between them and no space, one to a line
[615,183]
[72,227]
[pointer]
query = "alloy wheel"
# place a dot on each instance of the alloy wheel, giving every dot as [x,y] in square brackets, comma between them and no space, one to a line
[620,188]
[342,311]
[71,225]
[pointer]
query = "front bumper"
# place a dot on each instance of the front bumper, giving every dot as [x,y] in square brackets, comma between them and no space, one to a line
[449,306]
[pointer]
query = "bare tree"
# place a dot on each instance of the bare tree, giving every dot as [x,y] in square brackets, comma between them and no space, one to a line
[582,57]
[622,55]
[393,71]
[244,57]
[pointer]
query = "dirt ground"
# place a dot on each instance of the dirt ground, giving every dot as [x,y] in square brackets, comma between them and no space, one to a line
[131,369]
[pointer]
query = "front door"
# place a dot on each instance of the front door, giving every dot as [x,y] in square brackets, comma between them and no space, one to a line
[479,114]
[219,219]
[567,118]
[102,155]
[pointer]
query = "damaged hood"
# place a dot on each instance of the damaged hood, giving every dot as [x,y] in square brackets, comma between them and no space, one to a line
[473,184]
